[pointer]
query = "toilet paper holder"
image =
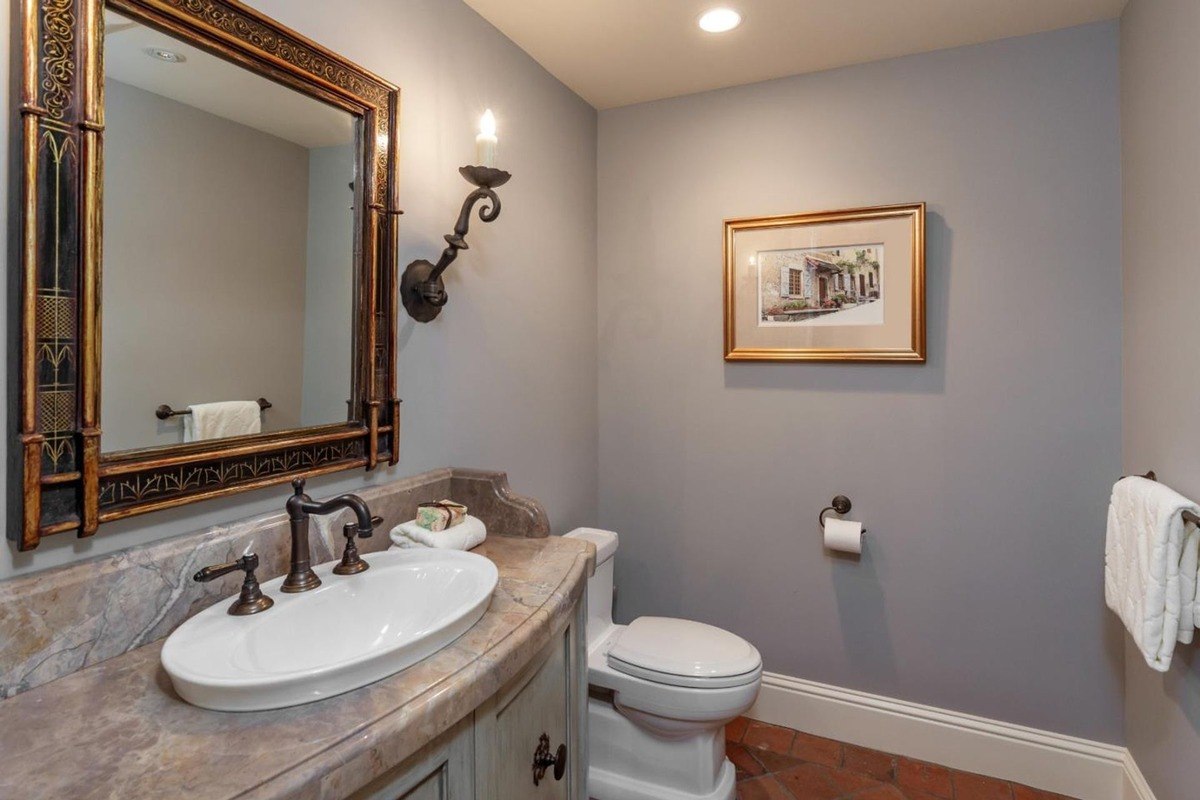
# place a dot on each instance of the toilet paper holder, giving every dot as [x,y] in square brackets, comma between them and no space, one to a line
[841,505]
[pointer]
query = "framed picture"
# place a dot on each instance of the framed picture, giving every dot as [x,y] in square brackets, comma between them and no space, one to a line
[829,286]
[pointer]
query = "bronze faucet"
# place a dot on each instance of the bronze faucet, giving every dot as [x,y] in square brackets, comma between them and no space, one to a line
[300,577]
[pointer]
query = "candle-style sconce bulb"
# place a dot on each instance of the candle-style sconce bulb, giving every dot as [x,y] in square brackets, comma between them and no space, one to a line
[486,141]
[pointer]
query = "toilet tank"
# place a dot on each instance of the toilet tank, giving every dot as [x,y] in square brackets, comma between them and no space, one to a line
[600,585]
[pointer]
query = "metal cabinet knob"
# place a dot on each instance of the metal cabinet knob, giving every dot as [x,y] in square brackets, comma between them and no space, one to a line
[542,760]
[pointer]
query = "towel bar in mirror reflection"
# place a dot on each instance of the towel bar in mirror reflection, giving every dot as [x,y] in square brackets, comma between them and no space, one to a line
[1188,516]
[166,412]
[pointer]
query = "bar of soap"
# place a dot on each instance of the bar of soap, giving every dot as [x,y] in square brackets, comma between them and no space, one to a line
[440,515]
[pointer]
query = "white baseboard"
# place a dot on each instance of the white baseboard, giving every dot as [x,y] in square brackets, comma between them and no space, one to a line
[1044,760]
[1134,786]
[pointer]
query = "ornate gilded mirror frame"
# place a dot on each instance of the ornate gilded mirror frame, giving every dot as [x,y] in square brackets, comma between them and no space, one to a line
[61,482]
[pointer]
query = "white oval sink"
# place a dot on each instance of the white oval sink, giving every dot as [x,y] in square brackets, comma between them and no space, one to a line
[350,631]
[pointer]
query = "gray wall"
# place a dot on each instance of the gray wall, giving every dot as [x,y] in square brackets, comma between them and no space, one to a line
[506,377]
[205,227]
[983,475]
[1160,124]
[329,286]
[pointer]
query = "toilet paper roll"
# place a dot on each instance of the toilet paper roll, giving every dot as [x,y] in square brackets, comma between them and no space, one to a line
[843,535]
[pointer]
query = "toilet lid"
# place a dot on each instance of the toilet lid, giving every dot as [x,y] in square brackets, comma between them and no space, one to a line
[680,652]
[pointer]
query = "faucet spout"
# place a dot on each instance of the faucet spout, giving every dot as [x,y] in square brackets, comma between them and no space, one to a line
[300,507]
[363,520]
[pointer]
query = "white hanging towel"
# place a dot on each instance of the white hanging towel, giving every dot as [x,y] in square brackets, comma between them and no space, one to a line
[466,535]
[1150,566]
[219,420]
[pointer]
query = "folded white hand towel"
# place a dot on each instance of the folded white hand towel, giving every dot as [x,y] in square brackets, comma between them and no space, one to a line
[219,420]
[467,534]
[1150,566]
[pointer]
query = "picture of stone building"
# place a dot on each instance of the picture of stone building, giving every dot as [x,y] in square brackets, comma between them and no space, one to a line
[835,286]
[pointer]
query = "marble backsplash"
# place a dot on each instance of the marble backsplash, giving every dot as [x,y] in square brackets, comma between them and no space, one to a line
[56,622]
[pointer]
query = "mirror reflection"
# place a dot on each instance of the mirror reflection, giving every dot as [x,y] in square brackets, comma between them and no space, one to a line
[229,247]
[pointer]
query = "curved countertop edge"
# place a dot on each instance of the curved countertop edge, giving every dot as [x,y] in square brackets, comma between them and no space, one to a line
[322,750]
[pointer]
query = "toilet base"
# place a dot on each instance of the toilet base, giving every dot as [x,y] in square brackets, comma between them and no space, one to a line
[606,786]
[628,762]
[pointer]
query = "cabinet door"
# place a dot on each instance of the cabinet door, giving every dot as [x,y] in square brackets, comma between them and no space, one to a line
[544,699]
[442,770]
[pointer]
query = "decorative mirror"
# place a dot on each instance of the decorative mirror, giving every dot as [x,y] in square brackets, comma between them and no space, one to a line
[208,215]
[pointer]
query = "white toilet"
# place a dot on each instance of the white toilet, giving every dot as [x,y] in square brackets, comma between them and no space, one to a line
[661,692]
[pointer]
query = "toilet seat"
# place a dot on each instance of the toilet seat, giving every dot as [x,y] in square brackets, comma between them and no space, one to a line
[684,704]
[683,681]
[684,653]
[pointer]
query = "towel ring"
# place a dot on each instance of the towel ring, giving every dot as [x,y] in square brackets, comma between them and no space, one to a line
[840,504]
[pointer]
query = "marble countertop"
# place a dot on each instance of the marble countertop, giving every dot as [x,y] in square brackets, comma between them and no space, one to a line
[117,729]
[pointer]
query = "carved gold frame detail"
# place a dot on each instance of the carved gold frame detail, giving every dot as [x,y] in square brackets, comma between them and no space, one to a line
[62,482]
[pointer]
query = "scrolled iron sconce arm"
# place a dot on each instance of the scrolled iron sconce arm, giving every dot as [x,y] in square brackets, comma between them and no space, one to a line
[456,242]
[421,289]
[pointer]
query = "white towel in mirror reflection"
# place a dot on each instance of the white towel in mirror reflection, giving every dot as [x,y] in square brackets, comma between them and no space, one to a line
[221,420]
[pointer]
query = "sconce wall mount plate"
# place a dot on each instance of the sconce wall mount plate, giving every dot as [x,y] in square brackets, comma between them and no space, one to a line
[421,288]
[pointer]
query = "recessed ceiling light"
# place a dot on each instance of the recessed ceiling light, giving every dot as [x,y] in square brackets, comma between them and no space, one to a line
[169,56]
[720,20]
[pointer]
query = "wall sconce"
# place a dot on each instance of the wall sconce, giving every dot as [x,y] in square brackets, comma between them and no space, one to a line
[421,288]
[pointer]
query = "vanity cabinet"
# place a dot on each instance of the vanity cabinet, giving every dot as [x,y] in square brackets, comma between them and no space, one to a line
[490,754]
[442,770]
[534,717]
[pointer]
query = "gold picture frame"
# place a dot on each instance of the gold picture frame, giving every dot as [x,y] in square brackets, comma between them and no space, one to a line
[840,286]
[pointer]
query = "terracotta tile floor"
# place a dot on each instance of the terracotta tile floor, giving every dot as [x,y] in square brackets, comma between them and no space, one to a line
[776,763]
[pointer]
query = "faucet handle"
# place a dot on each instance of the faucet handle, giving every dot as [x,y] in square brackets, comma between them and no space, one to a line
[251,600]
[247,562]
[351,529]
[298,485]
[352,563]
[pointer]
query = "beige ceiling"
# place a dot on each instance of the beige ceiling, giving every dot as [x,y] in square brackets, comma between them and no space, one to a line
[219,87]
[617,52]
